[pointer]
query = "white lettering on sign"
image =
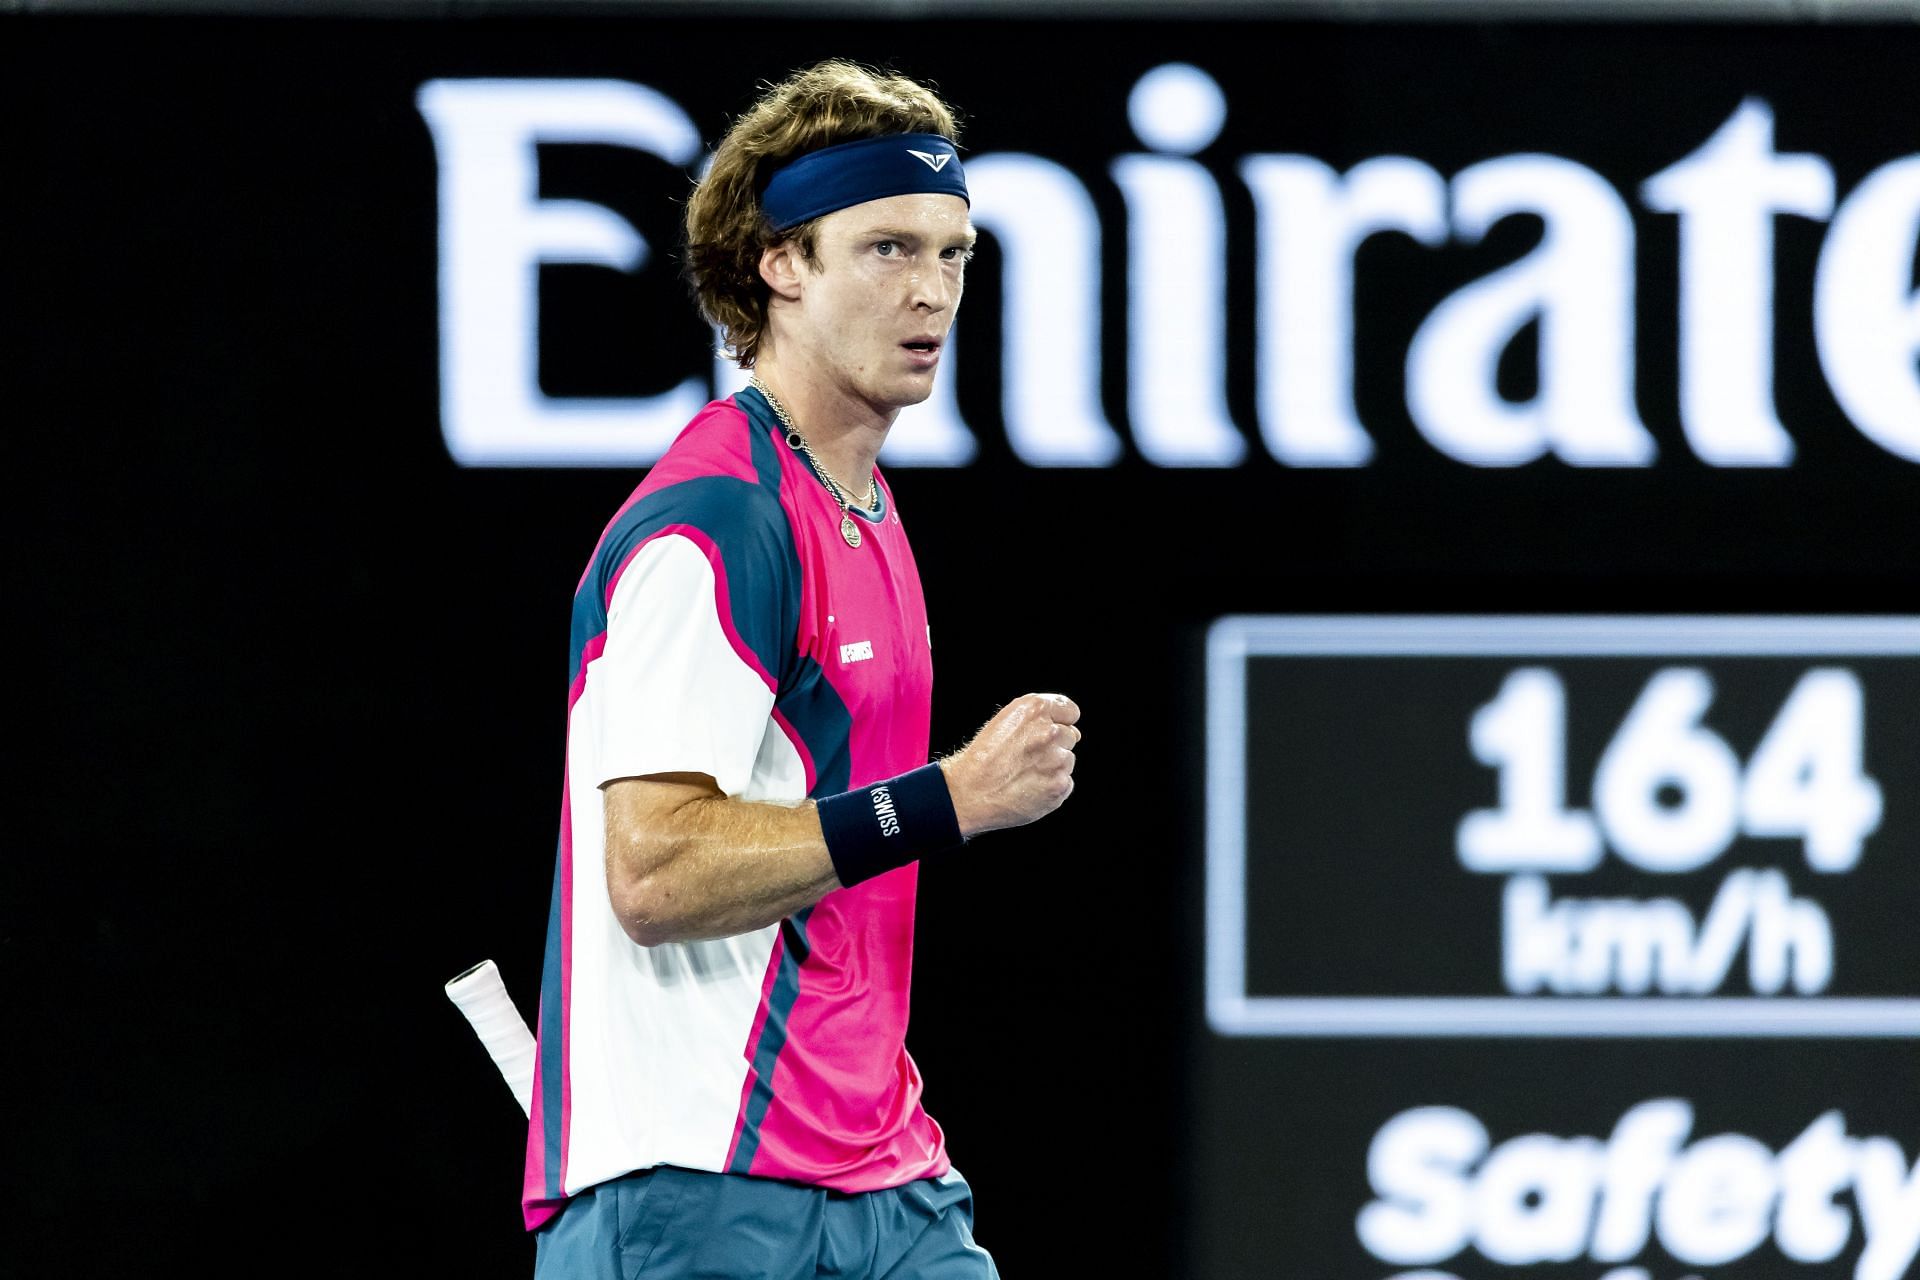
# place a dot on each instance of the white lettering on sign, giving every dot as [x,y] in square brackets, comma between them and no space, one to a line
[1443,1187]
[1670,793]
[1578,288]
[1866,308]
[1671,797]
[1049,236]
[1311,222]
[1595,946]
[495,233]
[1177,275]
[1575,293]
[1727,195]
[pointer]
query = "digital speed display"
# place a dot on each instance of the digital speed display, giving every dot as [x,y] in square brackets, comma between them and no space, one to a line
[1614,826]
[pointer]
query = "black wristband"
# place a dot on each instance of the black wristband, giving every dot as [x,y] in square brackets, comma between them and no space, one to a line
[888,824]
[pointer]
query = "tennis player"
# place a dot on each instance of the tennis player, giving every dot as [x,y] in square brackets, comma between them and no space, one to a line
[723,1086]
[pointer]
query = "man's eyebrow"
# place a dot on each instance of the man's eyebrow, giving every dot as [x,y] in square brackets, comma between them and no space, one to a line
[912,237]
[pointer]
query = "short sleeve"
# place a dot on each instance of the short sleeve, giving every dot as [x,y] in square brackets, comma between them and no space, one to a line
[687,679]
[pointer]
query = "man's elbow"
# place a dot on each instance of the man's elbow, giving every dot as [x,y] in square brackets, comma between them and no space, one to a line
[643,902]
[644,835]
[645,914]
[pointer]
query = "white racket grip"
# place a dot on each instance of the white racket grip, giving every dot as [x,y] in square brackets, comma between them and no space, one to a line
[481,996]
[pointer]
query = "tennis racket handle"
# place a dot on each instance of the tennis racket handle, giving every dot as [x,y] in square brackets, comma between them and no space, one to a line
[483,998]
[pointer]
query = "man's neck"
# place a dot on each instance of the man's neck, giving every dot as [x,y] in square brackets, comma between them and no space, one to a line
[843,431]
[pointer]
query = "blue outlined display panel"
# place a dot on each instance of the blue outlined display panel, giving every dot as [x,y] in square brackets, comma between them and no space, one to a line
[1563,826]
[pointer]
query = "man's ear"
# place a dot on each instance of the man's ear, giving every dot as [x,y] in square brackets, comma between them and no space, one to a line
[780,268]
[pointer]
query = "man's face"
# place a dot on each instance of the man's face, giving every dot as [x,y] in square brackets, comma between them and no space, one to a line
[886,283]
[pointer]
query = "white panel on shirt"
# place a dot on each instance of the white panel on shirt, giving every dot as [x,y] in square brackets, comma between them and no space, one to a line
[674,694]
[658,1035]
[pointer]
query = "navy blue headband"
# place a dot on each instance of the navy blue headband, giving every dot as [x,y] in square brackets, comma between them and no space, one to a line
[851,173]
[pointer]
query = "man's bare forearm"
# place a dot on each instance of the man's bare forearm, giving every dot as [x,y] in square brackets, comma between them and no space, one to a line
[685,862]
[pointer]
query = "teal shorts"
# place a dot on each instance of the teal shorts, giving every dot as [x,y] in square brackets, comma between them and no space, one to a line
[670,1223]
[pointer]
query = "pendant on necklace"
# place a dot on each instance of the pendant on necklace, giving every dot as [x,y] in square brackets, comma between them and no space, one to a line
[849,530]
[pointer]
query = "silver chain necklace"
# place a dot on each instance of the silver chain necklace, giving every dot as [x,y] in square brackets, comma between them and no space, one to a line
[848,529]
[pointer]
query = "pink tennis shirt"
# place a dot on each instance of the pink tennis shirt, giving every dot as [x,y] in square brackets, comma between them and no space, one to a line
[725,627]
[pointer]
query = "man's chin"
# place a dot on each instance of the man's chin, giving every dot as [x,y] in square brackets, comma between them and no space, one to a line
[911,390]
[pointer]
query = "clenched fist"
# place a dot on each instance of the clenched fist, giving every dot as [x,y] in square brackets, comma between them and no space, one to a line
[1018,768]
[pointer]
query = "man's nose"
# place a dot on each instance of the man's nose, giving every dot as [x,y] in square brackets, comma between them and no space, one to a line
[932,289]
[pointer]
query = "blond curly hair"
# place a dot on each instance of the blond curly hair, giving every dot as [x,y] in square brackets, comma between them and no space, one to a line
[726,231]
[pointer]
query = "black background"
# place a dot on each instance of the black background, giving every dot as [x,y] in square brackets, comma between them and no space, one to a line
[289,726]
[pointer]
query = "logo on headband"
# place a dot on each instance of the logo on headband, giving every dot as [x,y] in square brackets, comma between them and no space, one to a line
[934,162]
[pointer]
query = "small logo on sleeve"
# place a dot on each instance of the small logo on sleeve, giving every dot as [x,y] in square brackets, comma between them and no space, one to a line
[883,810]
[858,651]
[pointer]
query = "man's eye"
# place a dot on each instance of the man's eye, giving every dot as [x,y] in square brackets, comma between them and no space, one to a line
[883,247]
